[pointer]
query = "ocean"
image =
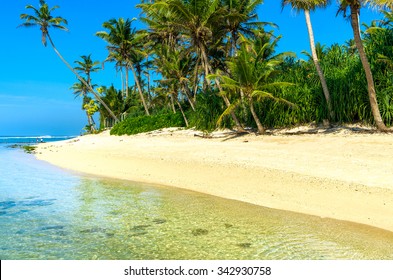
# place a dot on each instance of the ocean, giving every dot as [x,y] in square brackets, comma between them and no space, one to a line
[31,139]
[49,213]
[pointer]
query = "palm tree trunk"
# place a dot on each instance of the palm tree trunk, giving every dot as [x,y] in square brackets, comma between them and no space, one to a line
[226,100]
[261,129]
[147,74]
[148,85]
[317,65]
[187,92]
[182,112]
[367,69]
[89,122]
[126,82]
[173,104]
[93,122]
[205,62]
[139,89]
[122,81]
[82,80]
[88,78]
[196,80]
[233,54]
[233,43]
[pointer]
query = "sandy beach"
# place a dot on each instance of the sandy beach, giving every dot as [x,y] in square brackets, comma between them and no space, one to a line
[345,173]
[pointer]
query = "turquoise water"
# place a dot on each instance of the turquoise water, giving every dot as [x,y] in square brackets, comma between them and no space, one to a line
[4,140]
[47,213]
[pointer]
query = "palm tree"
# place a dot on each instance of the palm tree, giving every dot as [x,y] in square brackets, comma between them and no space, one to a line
[80,89]
[252,71]
[307,6]
[240,18]
[120,66]
[148,66]
[115,101]
[198,21]
[43,19]
[87,66]
[354,7]
[383,4]
[160,31]
[175,65]
[123,45]
[138,58]
[170,87]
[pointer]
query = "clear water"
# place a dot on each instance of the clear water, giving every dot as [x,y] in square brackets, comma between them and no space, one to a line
[31,139]
[47,213]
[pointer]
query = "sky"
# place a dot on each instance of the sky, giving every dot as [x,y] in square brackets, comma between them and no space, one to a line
[35,94]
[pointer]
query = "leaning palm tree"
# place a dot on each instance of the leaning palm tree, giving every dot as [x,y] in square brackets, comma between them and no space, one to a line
[354,8]
[42,18]
[307,6]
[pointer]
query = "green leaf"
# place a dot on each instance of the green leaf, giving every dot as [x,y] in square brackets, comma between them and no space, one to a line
[228,110]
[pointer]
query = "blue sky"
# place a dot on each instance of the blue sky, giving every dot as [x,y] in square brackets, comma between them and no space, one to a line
[35,95]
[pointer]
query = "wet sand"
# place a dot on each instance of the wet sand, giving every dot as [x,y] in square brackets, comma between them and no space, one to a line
[345,174]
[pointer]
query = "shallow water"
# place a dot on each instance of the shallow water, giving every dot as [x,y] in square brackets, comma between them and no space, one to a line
[31,139]
[47,213]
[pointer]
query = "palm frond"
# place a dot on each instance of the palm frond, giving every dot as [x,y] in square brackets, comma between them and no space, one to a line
[227,112]
[27,24]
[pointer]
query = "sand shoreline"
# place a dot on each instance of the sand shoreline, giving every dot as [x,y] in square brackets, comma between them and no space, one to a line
[341,175]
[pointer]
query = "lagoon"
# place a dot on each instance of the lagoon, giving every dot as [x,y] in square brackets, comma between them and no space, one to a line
[49,213]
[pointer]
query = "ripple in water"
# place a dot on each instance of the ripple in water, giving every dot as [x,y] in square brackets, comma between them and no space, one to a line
[54,215]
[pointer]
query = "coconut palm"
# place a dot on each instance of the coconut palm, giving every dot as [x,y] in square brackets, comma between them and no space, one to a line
[124,45]
[148,66]
[176,65]
[138,59]
[160,31]
[170,87]
[199,22]
[42,18]
[382,4]
[120,67]
[354,7]
[87,66]
[307,6]
[114,99]
[252,71]
[80,90]
[240,18]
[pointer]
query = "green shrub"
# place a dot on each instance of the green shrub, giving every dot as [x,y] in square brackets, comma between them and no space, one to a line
[135,125]
[209,108]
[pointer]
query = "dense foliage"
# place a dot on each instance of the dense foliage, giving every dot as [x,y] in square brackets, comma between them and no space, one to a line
[141,124]
[213,63]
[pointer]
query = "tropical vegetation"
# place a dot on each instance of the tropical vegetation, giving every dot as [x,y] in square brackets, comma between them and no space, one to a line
[214,63]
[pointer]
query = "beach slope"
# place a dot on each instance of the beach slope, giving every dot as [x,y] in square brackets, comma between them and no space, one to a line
[338,174]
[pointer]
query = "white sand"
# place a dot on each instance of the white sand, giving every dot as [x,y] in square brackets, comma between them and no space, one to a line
[340,174]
